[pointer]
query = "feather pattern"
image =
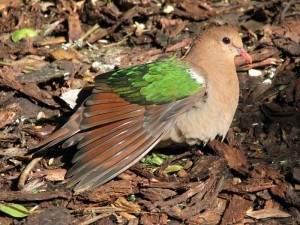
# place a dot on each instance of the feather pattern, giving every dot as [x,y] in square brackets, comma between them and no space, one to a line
[115,133]
[131,110]
[117,136]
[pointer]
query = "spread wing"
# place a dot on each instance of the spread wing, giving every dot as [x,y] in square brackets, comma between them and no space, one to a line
[127,114]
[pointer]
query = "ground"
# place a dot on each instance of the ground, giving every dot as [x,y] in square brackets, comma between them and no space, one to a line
[253,177]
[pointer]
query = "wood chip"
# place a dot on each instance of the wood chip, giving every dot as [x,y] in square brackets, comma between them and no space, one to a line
[267,213]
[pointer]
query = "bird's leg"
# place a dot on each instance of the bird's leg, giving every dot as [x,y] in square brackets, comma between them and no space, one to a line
[196,150]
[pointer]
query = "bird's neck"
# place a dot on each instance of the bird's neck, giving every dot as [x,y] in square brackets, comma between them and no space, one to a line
[219,69]
[221,78]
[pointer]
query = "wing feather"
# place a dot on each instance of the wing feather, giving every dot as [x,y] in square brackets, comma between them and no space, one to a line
[112,132]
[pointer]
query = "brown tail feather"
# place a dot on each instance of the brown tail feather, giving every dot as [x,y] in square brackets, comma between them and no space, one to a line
[105,151]
[65,132]
[112,134]
[95,110]
[100,119]
[101,171]
[104,134]
[125,163]
[108,147]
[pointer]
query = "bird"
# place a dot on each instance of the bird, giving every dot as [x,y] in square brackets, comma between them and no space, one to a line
[190,100]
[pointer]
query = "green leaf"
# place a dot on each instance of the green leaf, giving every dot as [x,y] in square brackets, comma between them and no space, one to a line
[152,160]
[14,210]
[23,33]
[173,168]
[131,198]
[155,159]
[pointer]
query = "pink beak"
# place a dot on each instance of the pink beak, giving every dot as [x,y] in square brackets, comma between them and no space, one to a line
[242,52]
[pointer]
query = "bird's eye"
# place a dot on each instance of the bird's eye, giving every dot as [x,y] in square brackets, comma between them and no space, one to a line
[226,40]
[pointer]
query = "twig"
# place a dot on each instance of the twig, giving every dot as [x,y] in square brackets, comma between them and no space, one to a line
[26,171]
[286,8]
[94,219]
[21,196]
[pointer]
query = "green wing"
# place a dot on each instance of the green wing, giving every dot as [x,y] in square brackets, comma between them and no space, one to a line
[154,83]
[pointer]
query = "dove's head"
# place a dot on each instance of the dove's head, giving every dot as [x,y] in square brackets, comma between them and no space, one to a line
[221,43]
[228,40]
